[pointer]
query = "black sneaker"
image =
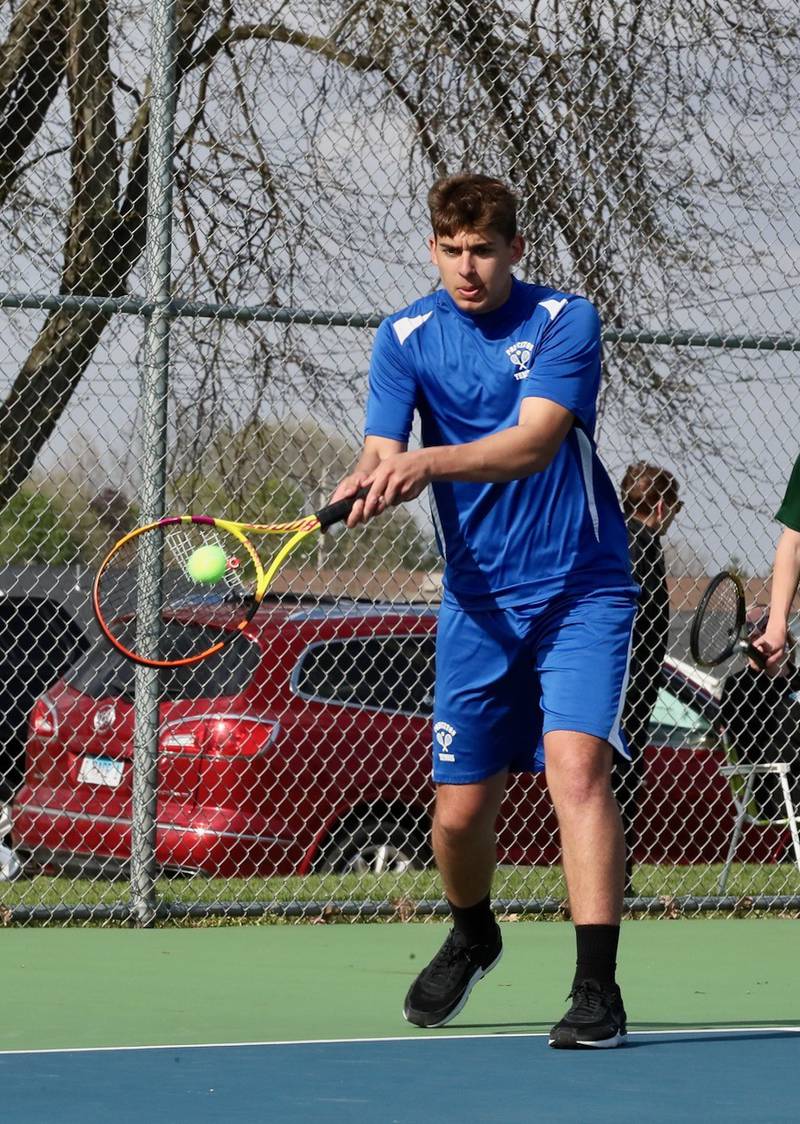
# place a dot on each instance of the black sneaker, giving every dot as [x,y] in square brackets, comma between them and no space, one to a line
[441,990]
[596,1019]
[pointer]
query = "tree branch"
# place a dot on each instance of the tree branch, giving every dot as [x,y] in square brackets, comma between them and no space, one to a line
[31,70]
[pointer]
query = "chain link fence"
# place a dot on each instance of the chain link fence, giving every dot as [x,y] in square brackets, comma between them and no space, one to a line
[207,208]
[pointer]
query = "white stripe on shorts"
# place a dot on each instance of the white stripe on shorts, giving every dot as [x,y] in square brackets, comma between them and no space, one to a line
[614,739]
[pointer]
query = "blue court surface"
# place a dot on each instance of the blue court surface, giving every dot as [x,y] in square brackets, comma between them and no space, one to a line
[725,1075]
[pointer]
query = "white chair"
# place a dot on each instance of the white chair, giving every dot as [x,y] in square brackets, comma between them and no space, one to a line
[742,777]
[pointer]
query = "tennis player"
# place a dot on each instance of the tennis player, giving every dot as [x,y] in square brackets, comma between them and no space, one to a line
[785,573]
[650,503]
[535,623]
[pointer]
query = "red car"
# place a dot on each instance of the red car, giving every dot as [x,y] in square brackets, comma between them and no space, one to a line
[305,745]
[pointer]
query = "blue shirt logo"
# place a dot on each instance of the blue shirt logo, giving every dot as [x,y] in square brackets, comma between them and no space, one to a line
[520,354]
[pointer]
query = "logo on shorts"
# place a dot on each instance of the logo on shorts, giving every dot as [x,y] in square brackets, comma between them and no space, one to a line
[444,733]
[104,719]
[520,354]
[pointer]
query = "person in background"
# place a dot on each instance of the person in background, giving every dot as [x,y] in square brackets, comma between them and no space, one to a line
[650,503]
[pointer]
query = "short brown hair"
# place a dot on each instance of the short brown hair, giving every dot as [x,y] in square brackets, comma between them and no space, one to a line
[472,202]
[643,485]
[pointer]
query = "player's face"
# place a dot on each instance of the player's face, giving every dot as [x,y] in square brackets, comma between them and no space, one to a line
[475,267]
[667,513]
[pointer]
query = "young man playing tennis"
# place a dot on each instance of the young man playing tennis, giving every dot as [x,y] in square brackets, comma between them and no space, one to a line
[535,623]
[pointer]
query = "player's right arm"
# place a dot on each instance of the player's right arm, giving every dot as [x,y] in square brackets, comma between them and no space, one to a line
[785,573]
[785,577]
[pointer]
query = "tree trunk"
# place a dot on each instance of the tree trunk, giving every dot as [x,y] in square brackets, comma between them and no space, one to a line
[105,238]
[31,69]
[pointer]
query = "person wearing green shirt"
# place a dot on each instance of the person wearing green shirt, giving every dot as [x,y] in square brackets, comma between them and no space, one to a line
[785,572]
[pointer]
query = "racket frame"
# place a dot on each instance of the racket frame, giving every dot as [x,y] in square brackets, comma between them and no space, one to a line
[737,643]
[297,530]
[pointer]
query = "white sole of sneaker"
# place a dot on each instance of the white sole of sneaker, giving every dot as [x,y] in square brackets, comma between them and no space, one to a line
[461,1003]
[603,1044]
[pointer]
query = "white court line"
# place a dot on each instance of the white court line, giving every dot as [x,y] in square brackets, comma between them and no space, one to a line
[398,1038]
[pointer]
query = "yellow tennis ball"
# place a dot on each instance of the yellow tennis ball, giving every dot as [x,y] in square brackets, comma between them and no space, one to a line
[207,564]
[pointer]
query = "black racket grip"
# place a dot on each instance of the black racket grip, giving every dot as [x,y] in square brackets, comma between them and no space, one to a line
[336,512]
[754,654]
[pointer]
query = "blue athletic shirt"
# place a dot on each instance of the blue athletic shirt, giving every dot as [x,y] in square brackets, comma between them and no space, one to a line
[526,540]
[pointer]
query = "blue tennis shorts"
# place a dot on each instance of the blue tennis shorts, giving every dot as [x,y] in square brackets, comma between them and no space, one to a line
[505,677]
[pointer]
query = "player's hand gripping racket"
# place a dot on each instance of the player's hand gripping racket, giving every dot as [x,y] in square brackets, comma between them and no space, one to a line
[719,624]
[199,554]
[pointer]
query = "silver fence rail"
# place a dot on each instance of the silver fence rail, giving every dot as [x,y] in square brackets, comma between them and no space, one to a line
[206,211]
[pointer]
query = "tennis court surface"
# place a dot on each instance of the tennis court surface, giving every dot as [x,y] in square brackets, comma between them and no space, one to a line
[291,1023]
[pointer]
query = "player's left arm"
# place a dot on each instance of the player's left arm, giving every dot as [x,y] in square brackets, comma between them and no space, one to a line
[561,390]
[785,576]
[522,449]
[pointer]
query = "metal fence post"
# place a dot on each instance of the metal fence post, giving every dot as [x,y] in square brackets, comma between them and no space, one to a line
[158,270]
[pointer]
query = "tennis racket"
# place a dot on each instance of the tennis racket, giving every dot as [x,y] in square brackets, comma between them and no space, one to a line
[719,622]
[166,547]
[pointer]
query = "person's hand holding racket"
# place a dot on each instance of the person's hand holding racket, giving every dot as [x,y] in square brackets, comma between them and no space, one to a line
[720,624]
[353,487]
[771,643]
[389,474]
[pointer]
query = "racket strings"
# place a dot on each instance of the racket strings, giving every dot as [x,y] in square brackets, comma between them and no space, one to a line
[182,541]
[719,627]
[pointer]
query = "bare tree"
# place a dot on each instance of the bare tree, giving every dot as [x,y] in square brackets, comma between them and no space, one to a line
[305,128]
[31,71]
[105,225]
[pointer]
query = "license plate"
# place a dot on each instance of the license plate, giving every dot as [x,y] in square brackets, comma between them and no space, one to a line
[101,770]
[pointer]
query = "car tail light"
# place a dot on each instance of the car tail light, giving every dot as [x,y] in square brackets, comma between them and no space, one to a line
[43,720]
[184,737]
[220,735]
[236,735]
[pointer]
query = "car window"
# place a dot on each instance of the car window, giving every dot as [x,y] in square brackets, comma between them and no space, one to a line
[38,640]
[384,672]
[675,723]
[103,671]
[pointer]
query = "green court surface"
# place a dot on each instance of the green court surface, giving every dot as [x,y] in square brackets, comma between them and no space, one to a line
[80,988]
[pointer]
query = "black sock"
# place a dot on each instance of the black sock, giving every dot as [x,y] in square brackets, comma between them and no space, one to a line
[597,952]
[475,922]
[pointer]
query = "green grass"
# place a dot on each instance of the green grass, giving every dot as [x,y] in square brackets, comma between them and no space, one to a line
[403,891]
